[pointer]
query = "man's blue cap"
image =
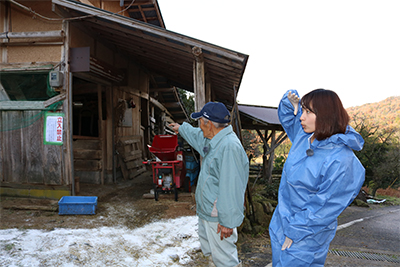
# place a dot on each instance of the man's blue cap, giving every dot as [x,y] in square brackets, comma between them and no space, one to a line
[213,111]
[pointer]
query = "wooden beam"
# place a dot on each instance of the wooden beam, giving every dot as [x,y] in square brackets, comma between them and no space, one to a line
[134,91]
[160,106]
[153,90]
[105,70]
[87,2]
[172,105]
[32,35]
[180,103]
[49,192]
[32,43]
[142,13]
[55,99]
[3,94]
[37,66]
[21,105]
[175,112]
[93,78]
[159,14]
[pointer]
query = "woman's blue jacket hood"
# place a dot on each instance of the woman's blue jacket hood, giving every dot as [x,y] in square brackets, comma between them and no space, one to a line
[351,139]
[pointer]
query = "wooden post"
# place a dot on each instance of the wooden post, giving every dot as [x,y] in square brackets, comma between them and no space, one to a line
[209,96]
[235,116]
[110,130]
[101,131]
[77,188]
[265,155]
[271,157]
[161,123]
[145,120]
[67,107]
[199,79]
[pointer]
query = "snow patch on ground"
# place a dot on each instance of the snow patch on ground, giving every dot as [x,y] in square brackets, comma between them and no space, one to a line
[155,244]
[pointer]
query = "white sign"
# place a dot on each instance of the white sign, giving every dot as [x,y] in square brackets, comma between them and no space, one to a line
[53,128]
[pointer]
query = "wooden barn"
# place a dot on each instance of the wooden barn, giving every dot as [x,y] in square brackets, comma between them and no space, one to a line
[85,85]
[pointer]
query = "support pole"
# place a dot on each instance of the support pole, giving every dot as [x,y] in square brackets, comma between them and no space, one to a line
[67,106]
[101,130]
[271,157]
[199,79]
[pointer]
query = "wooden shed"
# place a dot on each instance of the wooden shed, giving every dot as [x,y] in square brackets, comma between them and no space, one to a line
[99,79]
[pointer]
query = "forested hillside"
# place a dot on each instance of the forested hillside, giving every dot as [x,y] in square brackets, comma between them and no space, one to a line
[385,113]
[378,124]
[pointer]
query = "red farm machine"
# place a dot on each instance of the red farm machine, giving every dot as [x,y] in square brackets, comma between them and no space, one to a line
[169,170]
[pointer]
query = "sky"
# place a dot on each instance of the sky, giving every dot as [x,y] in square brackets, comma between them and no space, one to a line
[348,46]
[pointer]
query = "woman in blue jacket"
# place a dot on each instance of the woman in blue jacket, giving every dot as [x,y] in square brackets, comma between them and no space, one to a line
[321,177]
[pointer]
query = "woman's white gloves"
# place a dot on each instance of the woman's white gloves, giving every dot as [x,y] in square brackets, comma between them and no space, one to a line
[294,99]
[287,244]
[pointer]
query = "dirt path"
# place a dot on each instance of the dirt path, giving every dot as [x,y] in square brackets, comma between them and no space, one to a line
[119,204]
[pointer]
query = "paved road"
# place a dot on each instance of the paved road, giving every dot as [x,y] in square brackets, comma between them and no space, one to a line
[372,233]
[374,230]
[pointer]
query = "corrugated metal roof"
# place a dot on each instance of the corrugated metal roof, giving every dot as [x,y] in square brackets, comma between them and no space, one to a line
[259,117]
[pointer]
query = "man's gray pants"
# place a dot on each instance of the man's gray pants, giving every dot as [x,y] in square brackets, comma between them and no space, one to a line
[223,252]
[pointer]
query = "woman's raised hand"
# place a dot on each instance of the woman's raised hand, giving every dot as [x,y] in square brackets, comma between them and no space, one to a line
[294,99]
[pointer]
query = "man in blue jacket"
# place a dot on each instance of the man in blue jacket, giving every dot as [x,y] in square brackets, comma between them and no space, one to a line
[221,184]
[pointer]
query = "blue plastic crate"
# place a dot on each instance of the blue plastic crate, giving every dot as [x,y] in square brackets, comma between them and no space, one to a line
[77,205]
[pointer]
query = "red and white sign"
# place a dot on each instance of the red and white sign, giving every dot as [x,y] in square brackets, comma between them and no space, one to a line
[54,129]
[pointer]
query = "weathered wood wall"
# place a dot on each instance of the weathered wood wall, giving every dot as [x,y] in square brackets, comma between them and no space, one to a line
[136,80]
[24,157]
[88,162]
[23,21]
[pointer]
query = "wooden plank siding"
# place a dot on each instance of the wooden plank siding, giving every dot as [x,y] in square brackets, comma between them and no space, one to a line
[130,156]
[24,157]
[88,160]
[87,156]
